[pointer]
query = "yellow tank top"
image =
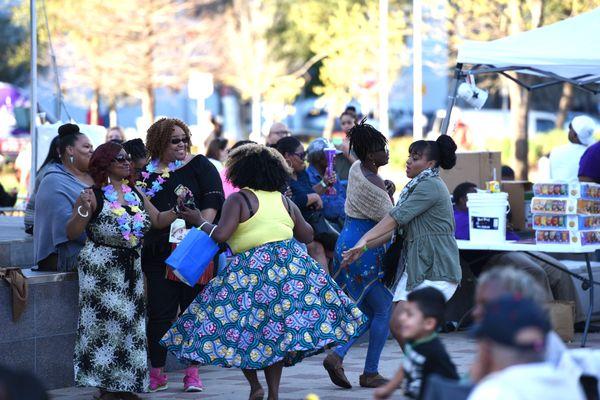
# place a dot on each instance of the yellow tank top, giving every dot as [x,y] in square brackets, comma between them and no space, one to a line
[270,223]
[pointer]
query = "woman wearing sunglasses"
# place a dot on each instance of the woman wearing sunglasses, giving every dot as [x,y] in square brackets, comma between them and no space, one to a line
[110,349]
[303,193]
[171,172]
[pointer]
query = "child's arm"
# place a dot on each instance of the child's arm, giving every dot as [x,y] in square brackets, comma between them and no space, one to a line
[386,391]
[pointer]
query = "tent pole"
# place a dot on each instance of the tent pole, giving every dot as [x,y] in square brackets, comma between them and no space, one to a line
[451,99]
[33,95]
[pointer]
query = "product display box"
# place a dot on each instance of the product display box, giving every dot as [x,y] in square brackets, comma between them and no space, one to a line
[579,190]
[519,198]
[545,205]
[476,167]
[574,238]
[566,222]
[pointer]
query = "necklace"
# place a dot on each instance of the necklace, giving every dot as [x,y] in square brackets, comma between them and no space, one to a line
[156,186]
[132,232]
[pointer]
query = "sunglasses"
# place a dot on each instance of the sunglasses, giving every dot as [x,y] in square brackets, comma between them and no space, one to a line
[179,140]
[301,156]
[122,159]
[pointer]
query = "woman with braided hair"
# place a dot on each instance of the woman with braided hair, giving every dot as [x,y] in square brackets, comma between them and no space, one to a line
[368,200]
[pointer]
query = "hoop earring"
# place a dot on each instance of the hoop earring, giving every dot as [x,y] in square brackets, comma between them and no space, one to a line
[71,159]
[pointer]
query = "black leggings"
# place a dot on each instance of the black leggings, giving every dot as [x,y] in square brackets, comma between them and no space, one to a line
[165,299]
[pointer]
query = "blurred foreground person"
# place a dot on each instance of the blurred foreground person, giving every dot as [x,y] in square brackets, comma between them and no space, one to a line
[20,385]
[511,341]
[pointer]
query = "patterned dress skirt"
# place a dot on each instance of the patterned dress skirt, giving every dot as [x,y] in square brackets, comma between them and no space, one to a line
[271,303]
[357,277]
[110,347]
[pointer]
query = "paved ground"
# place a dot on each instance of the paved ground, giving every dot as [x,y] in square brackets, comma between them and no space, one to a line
[304,378]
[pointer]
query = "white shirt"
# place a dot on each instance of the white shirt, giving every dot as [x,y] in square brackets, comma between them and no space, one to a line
[537,381]
[564,162]
[219,165]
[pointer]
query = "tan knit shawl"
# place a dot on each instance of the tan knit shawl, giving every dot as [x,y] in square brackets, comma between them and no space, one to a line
[364,200]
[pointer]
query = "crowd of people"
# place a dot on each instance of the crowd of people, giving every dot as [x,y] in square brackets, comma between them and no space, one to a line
[317,257]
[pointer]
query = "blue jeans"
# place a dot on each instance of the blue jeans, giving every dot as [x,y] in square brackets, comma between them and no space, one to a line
[377,305]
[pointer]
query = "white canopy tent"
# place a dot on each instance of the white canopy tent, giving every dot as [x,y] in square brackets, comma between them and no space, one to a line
[566,51]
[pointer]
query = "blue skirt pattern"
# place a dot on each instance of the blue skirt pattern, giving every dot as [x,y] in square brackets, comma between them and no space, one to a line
[271,303]
[357,277]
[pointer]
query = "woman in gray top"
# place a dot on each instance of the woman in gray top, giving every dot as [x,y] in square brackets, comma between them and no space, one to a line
[424,218]
[58,191]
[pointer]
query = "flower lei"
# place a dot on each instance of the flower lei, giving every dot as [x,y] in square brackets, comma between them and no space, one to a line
[156,186]
[131,232]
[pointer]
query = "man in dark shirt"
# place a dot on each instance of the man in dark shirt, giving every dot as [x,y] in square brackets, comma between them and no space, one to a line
[589,165]
[424,353]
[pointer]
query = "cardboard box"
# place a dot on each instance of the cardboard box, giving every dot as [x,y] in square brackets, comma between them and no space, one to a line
[562,316]
[516,198]
[473,166]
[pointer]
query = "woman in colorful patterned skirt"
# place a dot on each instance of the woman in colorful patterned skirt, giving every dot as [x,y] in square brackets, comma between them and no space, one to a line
[272,305]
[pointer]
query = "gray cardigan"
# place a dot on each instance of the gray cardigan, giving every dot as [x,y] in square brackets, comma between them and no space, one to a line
[429,246]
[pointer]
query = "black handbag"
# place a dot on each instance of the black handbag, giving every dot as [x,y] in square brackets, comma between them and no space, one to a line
[390,261]
[324,232]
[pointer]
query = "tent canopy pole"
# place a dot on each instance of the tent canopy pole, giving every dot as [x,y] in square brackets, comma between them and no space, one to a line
[452,98]
[33,95]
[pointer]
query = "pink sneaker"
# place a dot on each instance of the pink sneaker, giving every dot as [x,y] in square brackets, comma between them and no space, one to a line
[158,380]
[191,380]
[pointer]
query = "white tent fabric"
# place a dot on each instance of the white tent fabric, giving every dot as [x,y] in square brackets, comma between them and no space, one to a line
[569,49]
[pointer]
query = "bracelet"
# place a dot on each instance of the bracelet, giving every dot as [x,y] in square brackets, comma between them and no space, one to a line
[202,224]
[87,213]
[322,183]
[211,231]
[365,249]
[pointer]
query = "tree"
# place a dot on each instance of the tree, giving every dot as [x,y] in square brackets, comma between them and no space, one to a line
[344,35]
[14,65]
[129,48]
[14,44]
[250,62]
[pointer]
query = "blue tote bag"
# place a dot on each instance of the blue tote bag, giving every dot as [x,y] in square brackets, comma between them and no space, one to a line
[192,256]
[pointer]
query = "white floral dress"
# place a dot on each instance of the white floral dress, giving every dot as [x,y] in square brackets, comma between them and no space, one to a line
[110,348]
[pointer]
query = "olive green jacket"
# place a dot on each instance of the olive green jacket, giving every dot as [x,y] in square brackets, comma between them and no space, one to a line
[429,245]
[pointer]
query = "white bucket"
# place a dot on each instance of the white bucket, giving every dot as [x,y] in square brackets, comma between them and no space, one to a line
[487,216]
